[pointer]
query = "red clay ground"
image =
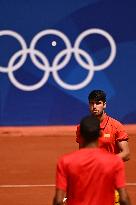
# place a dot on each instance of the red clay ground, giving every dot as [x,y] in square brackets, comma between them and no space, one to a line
[28,158]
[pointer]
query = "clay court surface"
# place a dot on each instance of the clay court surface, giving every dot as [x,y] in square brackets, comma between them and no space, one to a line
[28,158]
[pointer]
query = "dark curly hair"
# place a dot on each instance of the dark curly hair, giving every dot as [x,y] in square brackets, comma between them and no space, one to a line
[97,95]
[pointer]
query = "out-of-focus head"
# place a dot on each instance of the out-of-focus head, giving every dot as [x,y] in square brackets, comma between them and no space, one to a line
[90,128]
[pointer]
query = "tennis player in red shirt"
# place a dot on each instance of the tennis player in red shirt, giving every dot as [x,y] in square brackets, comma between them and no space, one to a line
[114,137]
[90,175]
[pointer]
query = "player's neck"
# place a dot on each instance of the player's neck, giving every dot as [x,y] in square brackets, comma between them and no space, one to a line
[102,116]
[91,144]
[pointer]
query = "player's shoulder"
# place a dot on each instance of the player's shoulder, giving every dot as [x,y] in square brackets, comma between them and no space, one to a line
[110,156]
[117,161]
[115,122]
[69,157]
[115,158]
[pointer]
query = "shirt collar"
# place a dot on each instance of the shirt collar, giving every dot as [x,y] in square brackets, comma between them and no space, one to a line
[104,122]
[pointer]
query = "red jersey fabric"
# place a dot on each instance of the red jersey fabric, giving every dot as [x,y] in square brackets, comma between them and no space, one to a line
[90,176]
[112,132]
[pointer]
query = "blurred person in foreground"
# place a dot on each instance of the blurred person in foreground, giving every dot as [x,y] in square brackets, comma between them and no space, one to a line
[91,174]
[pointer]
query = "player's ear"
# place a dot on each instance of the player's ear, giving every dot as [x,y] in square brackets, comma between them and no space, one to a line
[104,105]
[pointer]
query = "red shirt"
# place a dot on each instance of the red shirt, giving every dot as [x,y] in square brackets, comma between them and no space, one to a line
[113,132]
[90,176]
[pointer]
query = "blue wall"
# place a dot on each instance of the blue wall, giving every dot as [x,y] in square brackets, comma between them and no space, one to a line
[52,103]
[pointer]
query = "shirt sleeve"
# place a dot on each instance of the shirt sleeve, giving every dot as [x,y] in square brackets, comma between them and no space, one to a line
[121,133]
[61,179]
[120,174]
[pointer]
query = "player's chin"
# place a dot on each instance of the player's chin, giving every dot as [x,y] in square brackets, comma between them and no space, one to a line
[95,113]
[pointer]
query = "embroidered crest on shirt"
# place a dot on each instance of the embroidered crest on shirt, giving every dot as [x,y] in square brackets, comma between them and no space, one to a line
[107,135]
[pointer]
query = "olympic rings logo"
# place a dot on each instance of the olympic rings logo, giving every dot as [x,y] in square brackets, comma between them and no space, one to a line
[56,66]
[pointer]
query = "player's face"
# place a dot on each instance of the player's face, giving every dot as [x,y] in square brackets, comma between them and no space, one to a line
[97,107]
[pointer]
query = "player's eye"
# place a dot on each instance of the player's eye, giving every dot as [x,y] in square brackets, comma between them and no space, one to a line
[99,102]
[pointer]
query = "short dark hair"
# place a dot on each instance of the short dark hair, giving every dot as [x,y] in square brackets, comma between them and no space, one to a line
[90,128]
[97,95]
